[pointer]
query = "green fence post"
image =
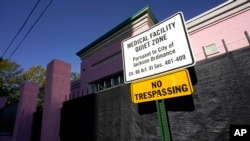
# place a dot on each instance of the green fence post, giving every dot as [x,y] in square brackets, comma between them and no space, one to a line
[163,121]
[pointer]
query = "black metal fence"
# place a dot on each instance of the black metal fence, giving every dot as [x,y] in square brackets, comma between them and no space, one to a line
[7,120]
[221,98]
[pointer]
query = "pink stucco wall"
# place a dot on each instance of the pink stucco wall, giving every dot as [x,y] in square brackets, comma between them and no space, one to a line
[115,65]
[2,102]
[24,116]
[231,30]
[91,74]
[26,108]
[56,89]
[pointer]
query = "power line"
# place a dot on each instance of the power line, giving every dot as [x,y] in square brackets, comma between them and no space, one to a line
[30,29]
[21,28]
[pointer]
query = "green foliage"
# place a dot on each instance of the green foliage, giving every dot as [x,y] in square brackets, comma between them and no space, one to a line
[10,84]
[36,74]
[12,77]
[75,76]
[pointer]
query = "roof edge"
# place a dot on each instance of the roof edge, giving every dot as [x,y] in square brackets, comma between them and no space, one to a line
[216,14]
[118,27]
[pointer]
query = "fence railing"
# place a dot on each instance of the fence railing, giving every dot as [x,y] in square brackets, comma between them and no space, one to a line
[226,46]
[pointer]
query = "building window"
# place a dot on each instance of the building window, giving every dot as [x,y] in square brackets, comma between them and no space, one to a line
[116,81]
[100,86]
[121,79]
[109,83]
[211,49]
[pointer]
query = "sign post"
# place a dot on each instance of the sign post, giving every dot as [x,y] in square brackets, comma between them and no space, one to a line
[157,89]
[163,48]
[163,121]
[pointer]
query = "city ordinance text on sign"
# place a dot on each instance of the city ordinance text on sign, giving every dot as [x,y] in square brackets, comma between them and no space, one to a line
[164,47]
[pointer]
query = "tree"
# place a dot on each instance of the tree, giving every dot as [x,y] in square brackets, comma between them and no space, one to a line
[12,77]
[10,84]
[36,74]
[75,76]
